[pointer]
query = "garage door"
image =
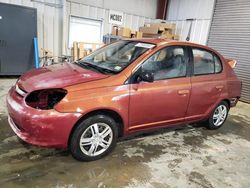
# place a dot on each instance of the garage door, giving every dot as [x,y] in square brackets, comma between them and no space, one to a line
[230,35]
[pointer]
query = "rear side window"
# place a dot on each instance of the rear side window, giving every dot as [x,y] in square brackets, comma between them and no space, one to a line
[205,62]
[218,66]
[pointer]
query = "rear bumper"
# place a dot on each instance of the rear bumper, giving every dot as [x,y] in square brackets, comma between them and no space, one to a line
[48,128]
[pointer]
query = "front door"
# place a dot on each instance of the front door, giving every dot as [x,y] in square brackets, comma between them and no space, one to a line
[163,101]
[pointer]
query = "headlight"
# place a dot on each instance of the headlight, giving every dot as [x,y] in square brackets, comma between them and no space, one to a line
[45,99]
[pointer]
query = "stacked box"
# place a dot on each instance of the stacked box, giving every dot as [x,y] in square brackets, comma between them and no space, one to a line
[75,51]
[121,31]
[82,49]
[138,34]
[159,30]
[125,32]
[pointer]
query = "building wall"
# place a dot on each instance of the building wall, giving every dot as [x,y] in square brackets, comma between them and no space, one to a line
[49,23]
[201,10]
[53,16]
[230,35]
[99,10]
[145,8]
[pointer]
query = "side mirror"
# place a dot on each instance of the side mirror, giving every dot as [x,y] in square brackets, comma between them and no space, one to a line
[146,76]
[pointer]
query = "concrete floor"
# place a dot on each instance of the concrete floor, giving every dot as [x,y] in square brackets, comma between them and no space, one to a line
[182,157]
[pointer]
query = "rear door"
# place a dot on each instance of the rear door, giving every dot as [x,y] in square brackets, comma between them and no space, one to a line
[163,101]
[208,83]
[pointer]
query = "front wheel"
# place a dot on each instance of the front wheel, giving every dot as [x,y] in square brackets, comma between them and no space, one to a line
[94,138]
[219,116]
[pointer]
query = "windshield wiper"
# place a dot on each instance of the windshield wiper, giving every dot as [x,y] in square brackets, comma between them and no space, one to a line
[87,65]
[100,69]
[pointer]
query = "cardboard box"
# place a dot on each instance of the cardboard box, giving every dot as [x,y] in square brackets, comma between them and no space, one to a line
[148,35]
[124,32]
[133,33]
[75,51]
[170,31]
[149,29]
[163,35]
[82,49]
[167,32]
[138,34]
[157,28]
[166,36]
[168,26]
[81,45]
[82,53]
[176,37]
[114,30]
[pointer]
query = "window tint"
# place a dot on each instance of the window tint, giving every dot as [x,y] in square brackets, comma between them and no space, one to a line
[205,62]
[166,63]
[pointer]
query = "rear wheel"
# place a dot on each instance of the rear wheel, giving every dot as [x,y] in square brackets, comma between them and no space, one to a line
[94,138]
[219,116]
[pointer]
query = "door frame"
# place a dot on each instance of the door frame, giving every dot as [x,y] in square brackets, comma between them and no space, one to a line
[201,117]
[189,72]
[131,79]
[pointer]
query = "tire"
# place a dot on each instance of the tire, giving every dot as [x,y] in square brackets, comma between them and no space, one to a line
[218,117]
[98,135]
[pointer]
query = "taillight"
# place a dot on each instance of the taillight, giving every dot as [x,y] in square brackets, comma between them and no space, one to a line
[232,63]
[45,99]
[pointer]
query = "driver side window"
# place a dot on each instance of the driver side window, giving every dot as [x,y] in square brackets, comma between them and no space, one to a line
[167,63]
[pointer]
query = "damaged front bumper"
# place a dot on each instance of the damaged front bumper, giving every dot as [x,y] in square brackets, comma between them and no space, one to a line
[48,128]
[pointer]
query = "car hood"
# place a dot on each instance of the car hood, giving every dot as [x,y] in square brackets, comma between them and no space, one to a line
[57,76]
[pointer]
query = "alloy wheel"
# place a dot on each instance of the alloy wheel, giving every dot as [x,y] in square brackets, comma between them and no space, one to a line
[219,115]
[96,139]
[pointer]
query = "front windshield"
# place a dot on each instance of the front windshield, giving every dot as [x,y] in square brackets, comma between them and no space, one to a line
[117,56]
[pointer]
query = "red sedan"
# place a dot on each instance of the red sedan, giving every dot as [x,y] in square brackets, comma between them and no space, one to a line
[124,87]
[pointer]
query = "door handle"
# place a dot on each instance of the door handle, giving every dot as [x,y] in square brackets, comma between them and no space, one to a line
[183,92]
[135,87]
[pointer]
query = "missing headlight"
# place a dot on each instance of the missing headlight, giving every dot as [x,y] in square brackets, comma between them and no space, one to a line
[45,99]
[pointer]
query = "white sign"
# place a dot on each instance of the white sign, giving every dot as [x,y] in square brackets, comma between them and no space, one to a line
[115,17]
[145,45]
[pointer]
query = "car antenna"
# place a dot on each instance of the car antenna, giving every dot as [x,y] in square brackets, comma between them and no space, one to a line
[190,27]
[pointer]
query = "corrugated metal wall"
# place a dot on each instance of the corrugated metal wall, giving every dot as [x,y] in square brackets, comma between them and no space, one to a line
[48,22]
[53,17]
[93,12]
[202,10]
[145,8]
[230,35]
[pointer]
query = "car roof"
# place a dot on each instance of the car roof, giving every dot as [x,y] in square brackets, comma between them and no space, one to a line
[161,42]
[156,41]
